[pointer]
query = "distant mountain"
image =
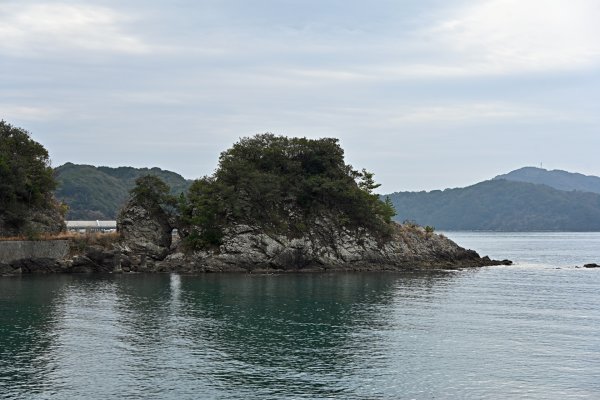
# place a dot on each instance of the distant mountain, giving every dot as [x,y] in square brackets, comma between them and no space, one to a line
[501,205]
[557,179]
[99,192]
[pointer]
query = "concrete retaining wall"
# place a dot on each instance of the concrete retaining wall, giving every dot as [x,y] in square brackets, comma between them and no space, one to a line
[17,250]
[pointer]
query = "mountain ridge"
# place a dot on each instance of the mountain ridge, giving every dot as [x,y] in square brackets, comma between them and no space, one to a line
[525,199]
[558,179]
[99,192]
[501,205]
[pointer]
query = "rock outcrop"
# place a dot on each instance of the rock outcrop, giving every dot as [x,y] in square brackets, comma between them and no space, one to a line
[279,204]
[144,230]
[49,221]
[247,248]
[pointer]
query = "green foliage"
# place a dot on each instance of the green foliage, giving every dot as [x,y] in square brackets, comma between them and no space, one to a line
[128,176]
[429,231]
[500,205]
[281,184]
[152,192]
[388,211]
[202,214]
[26,178]
[99,192]
[367,181]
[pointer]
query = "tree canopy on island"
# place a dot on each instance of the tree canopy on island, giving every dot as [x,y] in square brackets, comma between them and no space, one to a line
[26,177]
[283,185]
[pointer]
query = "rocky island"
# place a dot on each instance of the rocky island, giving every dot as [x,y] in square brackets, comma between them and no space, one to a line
[280,204]
[273,204]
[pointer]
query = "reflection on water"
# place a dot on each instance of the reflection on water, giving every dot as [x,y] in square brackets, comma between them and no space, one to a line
[496,332]
[26,331]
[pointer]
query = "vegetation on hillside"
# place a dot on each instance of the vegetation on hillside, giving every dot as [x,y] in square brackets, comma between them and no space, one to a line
[129,175]
[557,179]
[99,192]
[500,205]
[26,178]
[282,185]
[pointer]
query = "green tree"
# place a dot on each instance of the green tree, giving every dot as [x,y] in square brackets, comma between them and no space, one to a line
[26,177]
[388,211]
[367,181]
[153,193]
[202,214]
[429,231]
[282,185]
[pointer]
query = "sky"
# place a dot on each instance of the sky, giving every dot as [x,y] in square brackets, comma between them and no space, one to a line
[427,94]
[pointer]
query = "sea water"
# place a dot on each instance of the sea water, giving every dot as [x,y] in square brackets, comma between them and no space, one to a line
[531,330]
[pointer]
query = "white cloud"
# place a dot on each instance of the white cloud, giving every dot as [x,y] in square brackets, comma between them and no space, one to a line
[27,113]
[458,114]
[48,28]
[506,36]
[485,38]
[473,112]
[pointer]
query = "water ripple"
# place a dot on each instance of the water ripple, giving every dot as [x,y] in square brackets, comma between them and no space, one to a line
[501,332]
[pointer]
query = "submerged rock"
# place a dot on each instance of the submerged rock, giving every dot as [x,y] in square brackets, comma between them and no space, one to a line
[37,265]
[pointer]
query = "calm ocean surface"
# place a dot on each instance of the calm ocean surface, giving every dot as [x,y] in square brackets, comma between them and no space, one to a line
[531,330]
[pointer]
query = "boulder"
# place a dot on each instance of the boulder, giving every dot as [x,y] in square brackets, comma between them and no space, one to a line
[144,231]
[102,259]
[37,265]
[8,269]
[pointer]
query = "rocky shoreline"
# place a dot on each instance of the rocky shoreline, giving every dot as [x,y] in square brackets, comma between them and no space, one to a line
[249,250]
[274,204]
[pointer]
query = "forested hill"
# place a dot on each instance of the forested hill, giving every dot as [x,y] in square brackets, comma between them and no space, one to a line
[557,179]
[99,192]
[501,205]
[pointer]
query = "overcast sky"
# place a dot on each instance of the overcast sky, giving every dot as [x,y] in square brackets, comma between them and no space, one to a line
[427,94]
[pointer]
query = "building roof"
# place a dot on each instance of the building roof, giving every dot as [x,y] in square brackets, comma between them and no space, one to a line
[91,224]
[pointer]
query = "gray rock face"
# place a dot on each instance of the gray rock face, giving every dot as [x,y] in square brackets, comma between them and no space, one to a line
[145,248]
[325,248]
[93,260]
[8,269]
[47,221]
[144,231]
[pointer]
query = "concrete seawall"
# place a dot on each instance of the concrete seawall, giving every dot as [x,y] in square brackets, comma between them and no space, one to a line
[16,250]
